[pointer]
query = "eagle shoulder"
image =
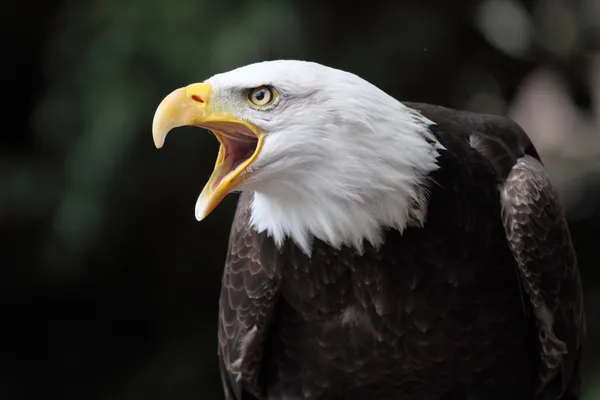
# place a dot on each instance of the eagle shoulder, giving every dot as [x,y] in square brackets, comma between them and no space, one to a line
[538,236]
[249,293]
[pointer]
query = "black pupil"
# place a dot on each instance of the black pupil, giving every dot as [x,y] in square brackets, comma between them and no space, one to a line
[260,95]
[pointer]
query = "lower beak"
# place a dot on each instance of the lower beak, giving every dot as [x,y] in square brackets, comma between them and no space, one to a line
[240,141]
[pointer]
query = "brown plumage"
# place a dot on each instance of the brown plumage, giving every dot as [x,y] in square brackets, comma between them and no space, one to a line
[483,302]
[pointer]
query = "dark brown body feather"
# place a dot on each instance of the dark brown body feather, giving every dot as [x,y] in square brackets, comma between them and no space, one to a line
[484,302]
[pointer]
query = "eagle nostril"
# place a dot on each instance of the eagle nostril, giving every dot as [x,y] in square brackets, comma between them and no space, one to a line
[197,98]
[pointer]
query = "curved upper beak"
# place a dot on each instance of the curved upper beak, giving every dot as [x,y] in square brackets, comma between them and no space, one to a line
[182,107]
[240,141]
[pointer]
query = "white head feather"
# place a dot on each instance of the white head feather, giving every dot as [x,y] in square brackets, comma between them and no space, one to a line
[341,159]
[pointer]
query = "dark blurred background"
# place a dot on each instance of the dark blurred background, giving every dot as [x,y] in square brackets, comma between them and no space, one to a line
[109,285]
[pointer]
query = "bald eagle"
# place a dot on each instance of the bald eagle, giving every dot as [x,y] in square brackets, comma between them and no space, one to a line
[381,249]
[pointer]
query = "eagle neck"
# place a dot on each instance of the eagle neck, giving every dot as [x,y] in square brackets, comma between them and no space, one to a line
[391,162]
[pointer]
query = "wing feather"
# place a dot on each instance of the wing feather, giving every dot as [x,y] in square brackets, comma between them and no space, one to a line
[538,235]
[249,293]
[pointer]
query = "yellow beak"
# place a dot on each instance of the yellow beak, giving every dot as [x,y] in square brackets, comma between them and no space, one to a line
[240,141]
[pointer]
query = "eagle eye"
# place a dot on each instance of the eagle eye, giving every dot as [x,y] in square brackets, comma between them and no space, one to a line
[261,96]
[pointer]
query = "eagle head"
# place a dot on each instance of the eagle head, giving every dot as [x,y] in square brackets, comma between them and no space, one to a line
[325,153]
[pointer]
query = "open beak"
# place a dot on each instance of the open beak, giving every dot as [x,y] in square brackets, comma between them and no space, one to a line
[240,141]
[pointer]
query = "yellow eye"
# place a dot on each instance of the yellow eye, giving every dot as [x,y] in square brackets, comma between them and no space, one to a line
[261,96]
